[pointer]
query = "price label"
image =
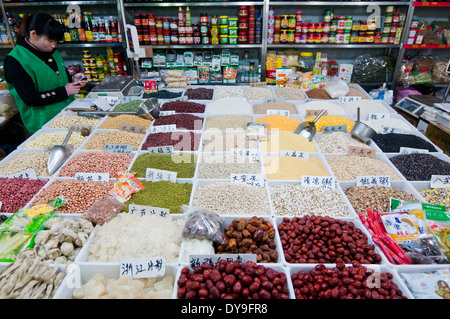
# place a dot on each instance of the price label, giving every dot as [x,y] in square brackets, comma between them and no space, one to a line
[132,128]
[161,149]
[248,179]
[143,267]
[361,152]
[142,210]
[293,153]
[377,116]
[92,177]
[373,181]
[388,129]
[158,175]
[29,173]
[309,113]
[275,99]
[318,181]
[439,181]
[118,148]
[197,260]
[409,150]
[250,153]
[346,99]
[163,128]
[258,84]
[278,112]
[334,128]
[78,127]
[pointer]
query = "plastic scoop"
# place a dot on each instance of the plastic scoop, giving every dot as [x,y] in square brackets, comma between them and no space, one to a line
[308,129]
[58,155]
[148,109]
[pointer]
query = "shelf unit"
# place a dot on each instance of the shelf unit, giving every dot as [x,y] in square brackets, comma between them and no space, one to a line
[405,46]
[111,7]
[125,9]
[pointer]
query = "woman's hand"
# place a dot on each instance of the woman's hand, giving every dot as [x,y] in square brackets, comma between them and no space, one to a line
[77,77]
[73,88]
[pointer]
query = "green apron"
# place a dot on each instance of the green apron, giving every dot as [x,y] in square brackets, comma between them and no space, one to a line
[45,79]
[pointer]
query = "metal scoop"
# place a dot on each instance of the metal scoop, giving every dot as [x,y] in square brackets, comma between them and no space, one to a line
[362,131]
[148,109]
[308,129]
[58,155]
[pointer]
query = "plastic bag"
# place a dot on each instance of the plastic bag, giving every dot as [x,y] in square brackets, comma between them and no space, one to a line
[103,210]
[336,87]
[438,224]
[428,285]
[202,223]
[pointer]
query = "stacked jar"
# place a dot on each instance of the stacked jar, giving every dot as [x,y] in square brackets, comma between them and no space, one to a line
[392,31]
[233,30]
[204,31]
[224,29]
[243,24]
[415,36]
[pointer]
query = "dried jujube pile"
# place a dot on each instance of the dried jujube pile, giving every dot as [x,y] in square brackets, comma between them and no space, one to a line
[232,280]
[322,239]
[344,282]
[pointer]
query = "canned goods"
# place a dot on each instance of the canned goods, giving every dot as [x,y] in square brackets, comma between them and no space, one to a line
[291,22]
[387,28]
[233,31]
[332,38]
[284,22]
[385,38]
[298,16]
[370,35]
[243,37]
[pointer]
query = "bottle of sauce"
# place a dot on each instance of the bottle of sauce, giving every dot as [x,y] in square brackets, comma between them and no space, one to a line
[95,33]
[88,27]
[113,29]
[101,31]
[81,29]
[108,35]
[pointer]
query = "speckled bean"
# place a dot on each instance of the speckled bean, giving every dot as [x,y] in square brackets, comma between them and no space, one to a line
[17,192]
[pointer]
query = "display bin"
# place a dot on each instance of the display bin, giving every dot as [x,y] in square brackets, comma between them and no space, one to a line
[415,133]
[11,158]
[26,146]
[378,156]
[176,157]
[228,91]
[294,269]
[313,104]
[53,123]
[222,157]
[194,87]
[278,94]
[405,270]
[202,102]
[261,94]
[351,212]
[370,145]
[198,127]
[277,267]
[79,274]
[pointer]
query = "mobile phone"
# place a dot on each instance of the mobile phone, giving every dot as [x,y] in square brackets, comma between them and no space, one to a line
[83,78]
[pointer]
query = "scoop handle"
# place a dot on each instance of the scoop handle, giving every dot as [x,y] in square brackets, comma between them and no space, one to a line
[318,116]
[66,139]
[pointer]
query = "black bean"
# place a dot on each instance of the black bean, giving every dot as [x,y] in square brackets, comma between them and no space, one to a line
[162,94]
[391,142]
[420,167]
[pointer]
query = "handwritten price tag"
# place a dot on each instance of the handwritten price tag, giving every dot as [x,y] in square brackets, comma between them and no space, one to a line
[309,113]
[132,128]
[29,173]
[250,153]
[118,148]
[334,128]
[409,150]
[143,267]
[197,260]
[318,181]
[439,181]
[142,210]
[293,153]
[377,116]
[92,177]
[161,149]
[373,181]
[278,112]
[248,179]
[345,99]
[361,152]
[158,175]
[163,128]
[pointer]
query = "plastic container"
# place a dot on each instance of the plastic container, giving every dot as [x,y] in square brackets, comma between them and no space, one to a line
[306,61]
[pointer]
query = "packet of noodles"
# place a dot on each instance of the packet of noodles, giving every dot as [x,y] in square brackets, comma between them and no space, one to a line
[123,176]
[125,187]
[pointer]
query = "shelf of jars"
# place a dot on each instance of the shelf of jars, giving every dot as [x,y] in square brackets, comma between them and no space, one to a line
[333,46]
[193,4]
[57,3]
[435,4]
[338,3]
[426,46]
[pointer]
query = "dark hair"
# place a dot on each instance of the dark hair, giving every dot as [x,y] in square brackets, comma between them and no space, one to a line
[43,24]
